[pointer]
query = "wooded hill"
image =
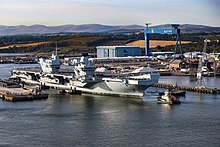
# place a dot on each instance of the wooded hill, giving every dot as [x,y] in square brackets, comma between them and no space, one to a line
[78,43]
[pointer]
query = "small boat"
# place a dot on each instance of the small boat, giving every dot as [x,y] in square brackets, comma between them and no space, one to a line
[175,93]
[2,96]
[167,98]
[12,97]
[73,92]
[178,93]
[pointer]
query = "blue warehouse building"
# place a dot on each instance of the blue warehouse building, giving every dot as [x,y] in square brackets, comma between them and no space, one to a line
[117,51]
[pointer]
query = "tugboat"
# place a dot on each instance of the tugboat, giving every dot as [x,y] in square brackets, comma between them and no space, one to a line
[167,98]
[175,92]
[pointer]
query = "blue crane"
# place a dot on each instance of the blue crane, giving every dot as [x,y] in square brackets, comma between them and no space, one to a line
[175,30]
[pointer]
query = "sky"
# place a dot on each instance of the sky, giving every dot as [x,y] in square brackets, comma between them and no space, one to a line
[109,12]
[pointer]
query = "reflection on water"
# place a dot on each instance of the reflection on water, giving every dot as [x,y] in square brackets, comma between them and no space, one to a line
[165,107]
[199,97]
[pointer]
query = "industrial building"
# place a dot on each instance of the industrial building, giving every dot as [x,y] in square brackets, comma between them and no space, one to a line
[117,51]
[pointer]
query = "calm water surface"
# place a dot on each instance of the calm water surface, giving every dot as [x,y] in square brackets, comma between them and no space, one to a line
[87,120]
[14,54]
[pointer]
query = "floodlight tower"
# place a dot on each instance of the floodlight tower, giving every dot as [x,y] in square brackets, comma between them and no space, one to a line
[205,45]
[178,40]
[147,38]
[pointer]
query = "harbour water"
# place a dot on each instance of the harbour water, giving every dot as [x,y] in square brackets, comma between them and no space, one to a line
[90,120]
[14,54]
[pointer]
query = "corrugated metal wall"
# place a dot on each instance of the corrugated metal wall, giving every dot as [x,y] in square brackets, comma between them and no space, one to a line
[117,51]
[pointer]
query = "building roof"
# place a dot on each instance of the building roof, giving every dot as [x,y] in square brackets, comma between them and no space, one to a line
[162,52]
[144,70]
[102,70]
[114,47]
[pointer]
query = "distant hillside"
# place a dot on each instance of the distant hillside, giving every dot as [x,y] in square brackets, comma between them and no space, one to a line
[190,28]
[95,28]
[42,29]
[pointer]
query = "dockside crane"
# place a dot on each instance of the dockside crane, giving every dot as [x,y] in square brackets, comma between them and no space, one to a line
[175,30]
[200,82]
